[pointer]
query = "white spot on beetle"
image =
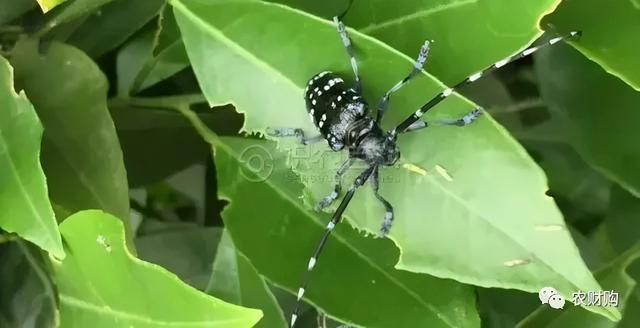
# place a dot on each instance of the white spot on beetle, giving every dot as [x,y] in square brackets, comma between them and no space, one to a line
[555,40]
[331,225]
[475,76]
[529,51]
[312,263]
[502,62]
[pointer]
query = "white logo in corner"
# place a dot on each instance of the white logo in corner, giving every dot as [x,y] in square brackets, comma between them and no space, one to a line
[549,295]
[556,301]
[546,293]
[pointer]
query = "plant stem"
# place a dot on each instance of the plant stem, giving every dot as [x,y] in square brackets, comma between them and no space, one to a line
[204,131]
[518,107]
[169,102]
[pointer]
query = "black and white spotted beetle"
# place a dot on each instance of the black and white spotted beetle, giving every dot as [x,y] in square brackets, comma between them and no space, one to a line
[341,115]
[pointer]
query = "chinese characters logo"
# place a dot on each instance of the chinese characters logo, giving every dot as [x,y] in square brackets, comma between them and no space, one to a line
[603,298]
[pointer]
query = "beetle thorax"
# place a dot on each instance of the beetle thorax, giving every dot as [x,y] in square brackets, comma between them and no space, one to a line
[347,118]
[367,142]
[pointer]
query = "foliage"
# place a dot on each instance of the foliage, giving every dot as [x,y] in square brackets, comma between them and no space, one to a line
[25,205]
[126,200]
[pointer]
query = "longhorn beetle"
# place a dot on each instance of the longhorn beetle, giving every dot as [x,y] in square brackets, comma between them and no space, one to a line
[341,115]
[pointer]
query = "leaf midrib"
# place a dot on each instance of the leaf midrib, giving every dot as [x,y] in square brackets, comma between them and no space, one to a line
[415,15]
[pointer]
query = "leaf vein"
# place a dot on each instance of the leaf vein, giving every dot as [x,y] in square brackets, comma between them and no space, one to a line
[23,192]
[414,16]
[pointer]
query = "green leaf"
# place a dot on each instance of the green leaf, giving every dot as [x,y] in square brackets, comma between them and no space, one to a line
[622,224]
[468,35]
[611,43]
[132,58]
[81,155]
[578,92]
[12,9]
[280,240]
[186,251]
[631,317]
[571,178]
[154,55]
[613,277]
[504,308]
[27,297]
[151,135]
[47,5]
[441,193]
[70,11]
[113,24]
[589,249]
[102,285]
[581,191]
[169,56]
[385,297]
[235,280]
[24,201]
